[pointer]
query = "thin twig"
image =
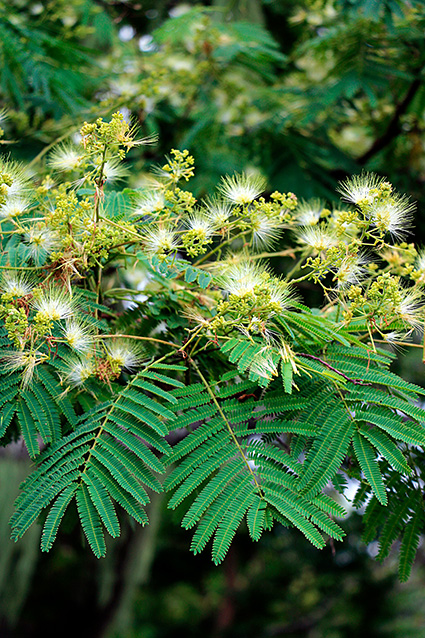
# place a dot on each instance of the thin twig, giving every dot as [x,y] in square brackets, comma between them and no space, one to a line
[327,365]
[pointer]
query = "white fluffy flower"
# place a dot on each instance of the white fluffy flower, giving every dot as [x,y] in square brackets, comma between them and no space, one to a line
[66,157]
[41,242]
[265,230]
[240,279]
[411,308]
[55,303]
[77,370]
[21,179]
[357,188]
[17,285]
[316,238]
[308,213]
[200,224]
[14,207]
[14,360]
[114,170]
[149,203]
[77,335]
[350,271]
[393,215]
[125,353]
[263,365]
[159,240]
[217,211]
[242,188]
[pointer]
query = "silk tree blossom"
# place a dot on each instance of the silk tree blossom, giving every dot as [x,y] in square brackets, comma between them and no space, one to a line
[21,179]
[393,215]
[240,279]
[66,157]
[394,337]
[200,224]
[351,271]
[410,308]
[217,211]
[159,240]
[14,207]
[40,242]
[125,353]
[265,231]
[317,238]
[308,213]
[264,365]
[54,303]
[358,188]
[77,370]
[281,293]
[242,189]
[150,203]
[24,361]
[248,277]
[14,284]
[113,170]
[78,335]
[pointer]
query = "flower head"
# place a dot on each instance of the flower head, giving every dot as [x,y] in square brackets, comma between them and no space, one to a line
[158,241]
[149,203]
[242,189]
[316,238]
[410,308]
[114,170]
[248,278]
[17,285]
[77,370]
[14,360]
[350,271]
[66,157]
[14,206]
[265,230]
[20,179]
[393,215]
[200,224]
[264,365]
[241,278]
[217,211]
[40,242]
[54,303]
[124,353]
[358,188]
[78,335]
[308,213]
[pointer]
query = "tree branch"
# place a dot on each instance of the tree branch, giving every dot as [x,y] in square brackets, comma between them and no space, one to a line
[394,126]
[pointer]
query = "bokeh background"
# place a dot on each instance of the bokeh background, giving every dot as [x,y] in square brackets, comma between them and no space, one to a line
[304,92]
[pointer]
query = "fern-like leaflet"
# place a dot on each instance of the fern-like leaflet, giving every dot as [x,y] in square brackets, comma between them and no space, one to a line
[109,457]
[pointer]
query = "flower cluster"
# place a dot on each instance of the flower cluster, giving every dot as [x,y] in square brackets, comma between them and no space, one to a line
[252,297]
[44,321]
[202,260]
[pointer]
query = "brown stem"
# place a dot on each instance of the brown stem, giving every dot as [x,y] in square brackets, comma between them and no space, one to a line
[226,610]
[327,365]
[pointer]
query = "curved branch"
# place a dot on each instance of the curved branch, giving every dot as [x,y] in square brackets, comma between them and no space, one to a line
[394,126]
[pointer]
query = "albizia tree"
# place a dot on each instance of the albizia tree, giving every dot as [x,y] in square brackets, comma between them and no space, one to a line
[143,330]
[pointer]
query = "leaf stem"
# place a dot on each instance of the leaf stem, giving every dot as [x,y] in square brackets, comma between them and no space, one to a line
[229,427]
